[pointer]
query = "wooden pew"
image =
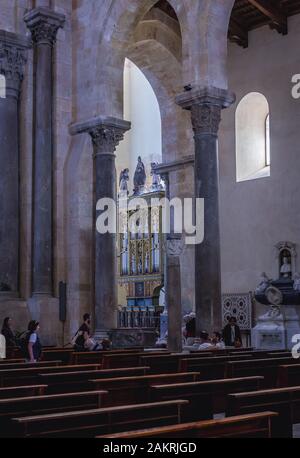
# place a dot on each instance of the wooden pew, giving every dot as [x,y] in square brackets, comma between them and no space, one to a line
[284,401]
[210,368]
[288,375]
[114,361]
[22,391]
[268,368]
[135,390]
[11,361]
[258,425]
[43,405]
[66,381]
[96,356]
[90,423]
[17,377]
[206,397]
[64,354]
[174,363]
[24,365]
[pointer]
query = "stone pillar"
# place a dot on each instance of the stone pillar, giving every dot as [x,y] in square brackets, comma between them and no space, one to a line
[43,24]
[12,62]
[106,133]
[174,250]
[164,316]
[205,105]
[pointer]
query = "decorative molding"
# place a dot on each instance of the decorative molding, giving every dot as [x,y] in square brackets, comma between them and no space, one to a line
[205,104]
[44,25]
[13,58]
[106,132]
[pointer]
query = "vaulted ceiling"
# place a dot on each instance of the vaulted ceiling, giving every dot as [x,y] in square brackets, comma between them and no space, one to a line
[248,15]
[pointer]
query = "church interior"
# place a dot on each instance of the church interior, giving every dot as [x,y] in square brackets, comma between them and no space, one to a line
[149,219]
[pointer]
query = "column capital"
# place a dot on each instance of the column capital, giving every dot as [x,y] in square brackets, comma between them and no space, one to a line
[106,132]
[13,57]
[44,24]
[205,104]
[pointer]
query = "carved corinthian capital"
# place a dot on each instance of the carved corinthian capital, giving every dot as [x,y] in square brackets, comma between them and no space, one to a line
[106,133]
[44,24]
[13,57]
[205,105]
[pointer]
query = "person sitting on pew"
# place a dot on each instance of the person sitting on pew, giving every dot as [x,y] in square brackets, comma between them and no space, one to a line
[218,341]
[232,334]
[33,349]
[79,339]
[8,333]
[204,342]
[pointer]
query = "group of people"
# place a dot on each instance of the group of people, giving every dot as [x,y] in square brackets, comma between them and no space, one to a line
[29,341]
[30,344]
[83,340]
[229,337]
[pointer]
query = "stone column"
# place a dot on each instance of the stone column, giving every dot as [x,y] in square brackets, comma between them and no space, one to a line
[43,24]
[205,105]
[106,133]
[12,62]
[174,250]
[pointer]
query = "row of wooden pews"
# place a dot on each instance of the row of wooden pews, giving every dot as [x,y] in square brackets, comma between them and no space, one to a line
[117,392]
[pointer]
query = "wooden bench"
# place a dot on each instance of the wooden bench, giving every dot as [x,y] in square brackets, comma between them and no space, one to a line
[96,356]
[288,375]
[210,368]
[114,361]
[257,425]
[90,423]
[69,381]
[206,397]
[42,405]
[24,365]
[135,390]
[284,401]
[22,391]
[64,354]
[268,368]
[11,361]
[17,377]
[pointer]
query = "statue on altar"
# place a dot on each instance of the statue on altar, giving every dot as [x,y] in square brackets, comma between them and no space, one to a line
[123,182]
[156,180]
[139,179]
[263,285]
[286,269]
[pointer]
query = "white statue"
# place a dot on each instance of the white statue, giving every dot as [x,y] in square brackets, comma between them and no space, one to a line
[296,282]
[156,180]
[286,268]
[264,283]
[123,182]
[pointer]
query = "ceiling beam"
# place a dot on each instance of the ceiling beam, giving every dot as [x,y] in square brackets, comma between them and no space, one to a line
[238,33]
[277,17]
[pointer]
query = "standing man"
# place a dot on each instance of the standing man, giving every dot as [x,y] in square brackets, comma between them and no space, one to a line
[232,334]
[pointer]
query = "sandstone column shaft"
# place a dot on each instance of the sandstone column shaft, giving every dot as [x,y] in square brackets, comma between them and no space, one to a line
[12,62]
[106,133]
[174,250]
[44,25]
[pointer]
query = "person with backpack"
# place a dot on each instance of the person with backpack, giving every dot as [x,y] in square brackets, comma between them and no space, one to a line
[30,344]
[82,334]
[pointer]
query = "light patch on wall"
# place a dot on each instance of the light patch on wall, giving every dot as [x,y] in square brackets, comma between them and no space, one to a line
[145,137]
[253,156]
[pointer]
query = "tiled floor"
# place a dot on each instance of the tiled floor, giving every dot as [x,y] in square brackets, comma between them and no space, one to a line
[296,433]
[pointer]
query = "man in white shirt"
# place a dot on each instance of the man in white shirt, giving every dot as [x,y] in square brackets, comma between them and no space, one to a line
[205,342]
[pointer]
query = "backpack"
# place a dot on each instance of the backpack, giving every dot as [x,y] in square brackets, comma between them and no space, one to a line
[23,343]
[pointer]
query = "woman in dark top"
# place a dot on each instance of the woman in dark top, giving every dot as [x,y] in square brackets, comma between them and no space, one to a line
[34,347]
[7,332]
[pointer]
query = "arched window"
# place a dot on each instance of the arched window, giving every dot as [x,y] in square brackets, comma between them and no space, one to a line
[253,156]
[2,87]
